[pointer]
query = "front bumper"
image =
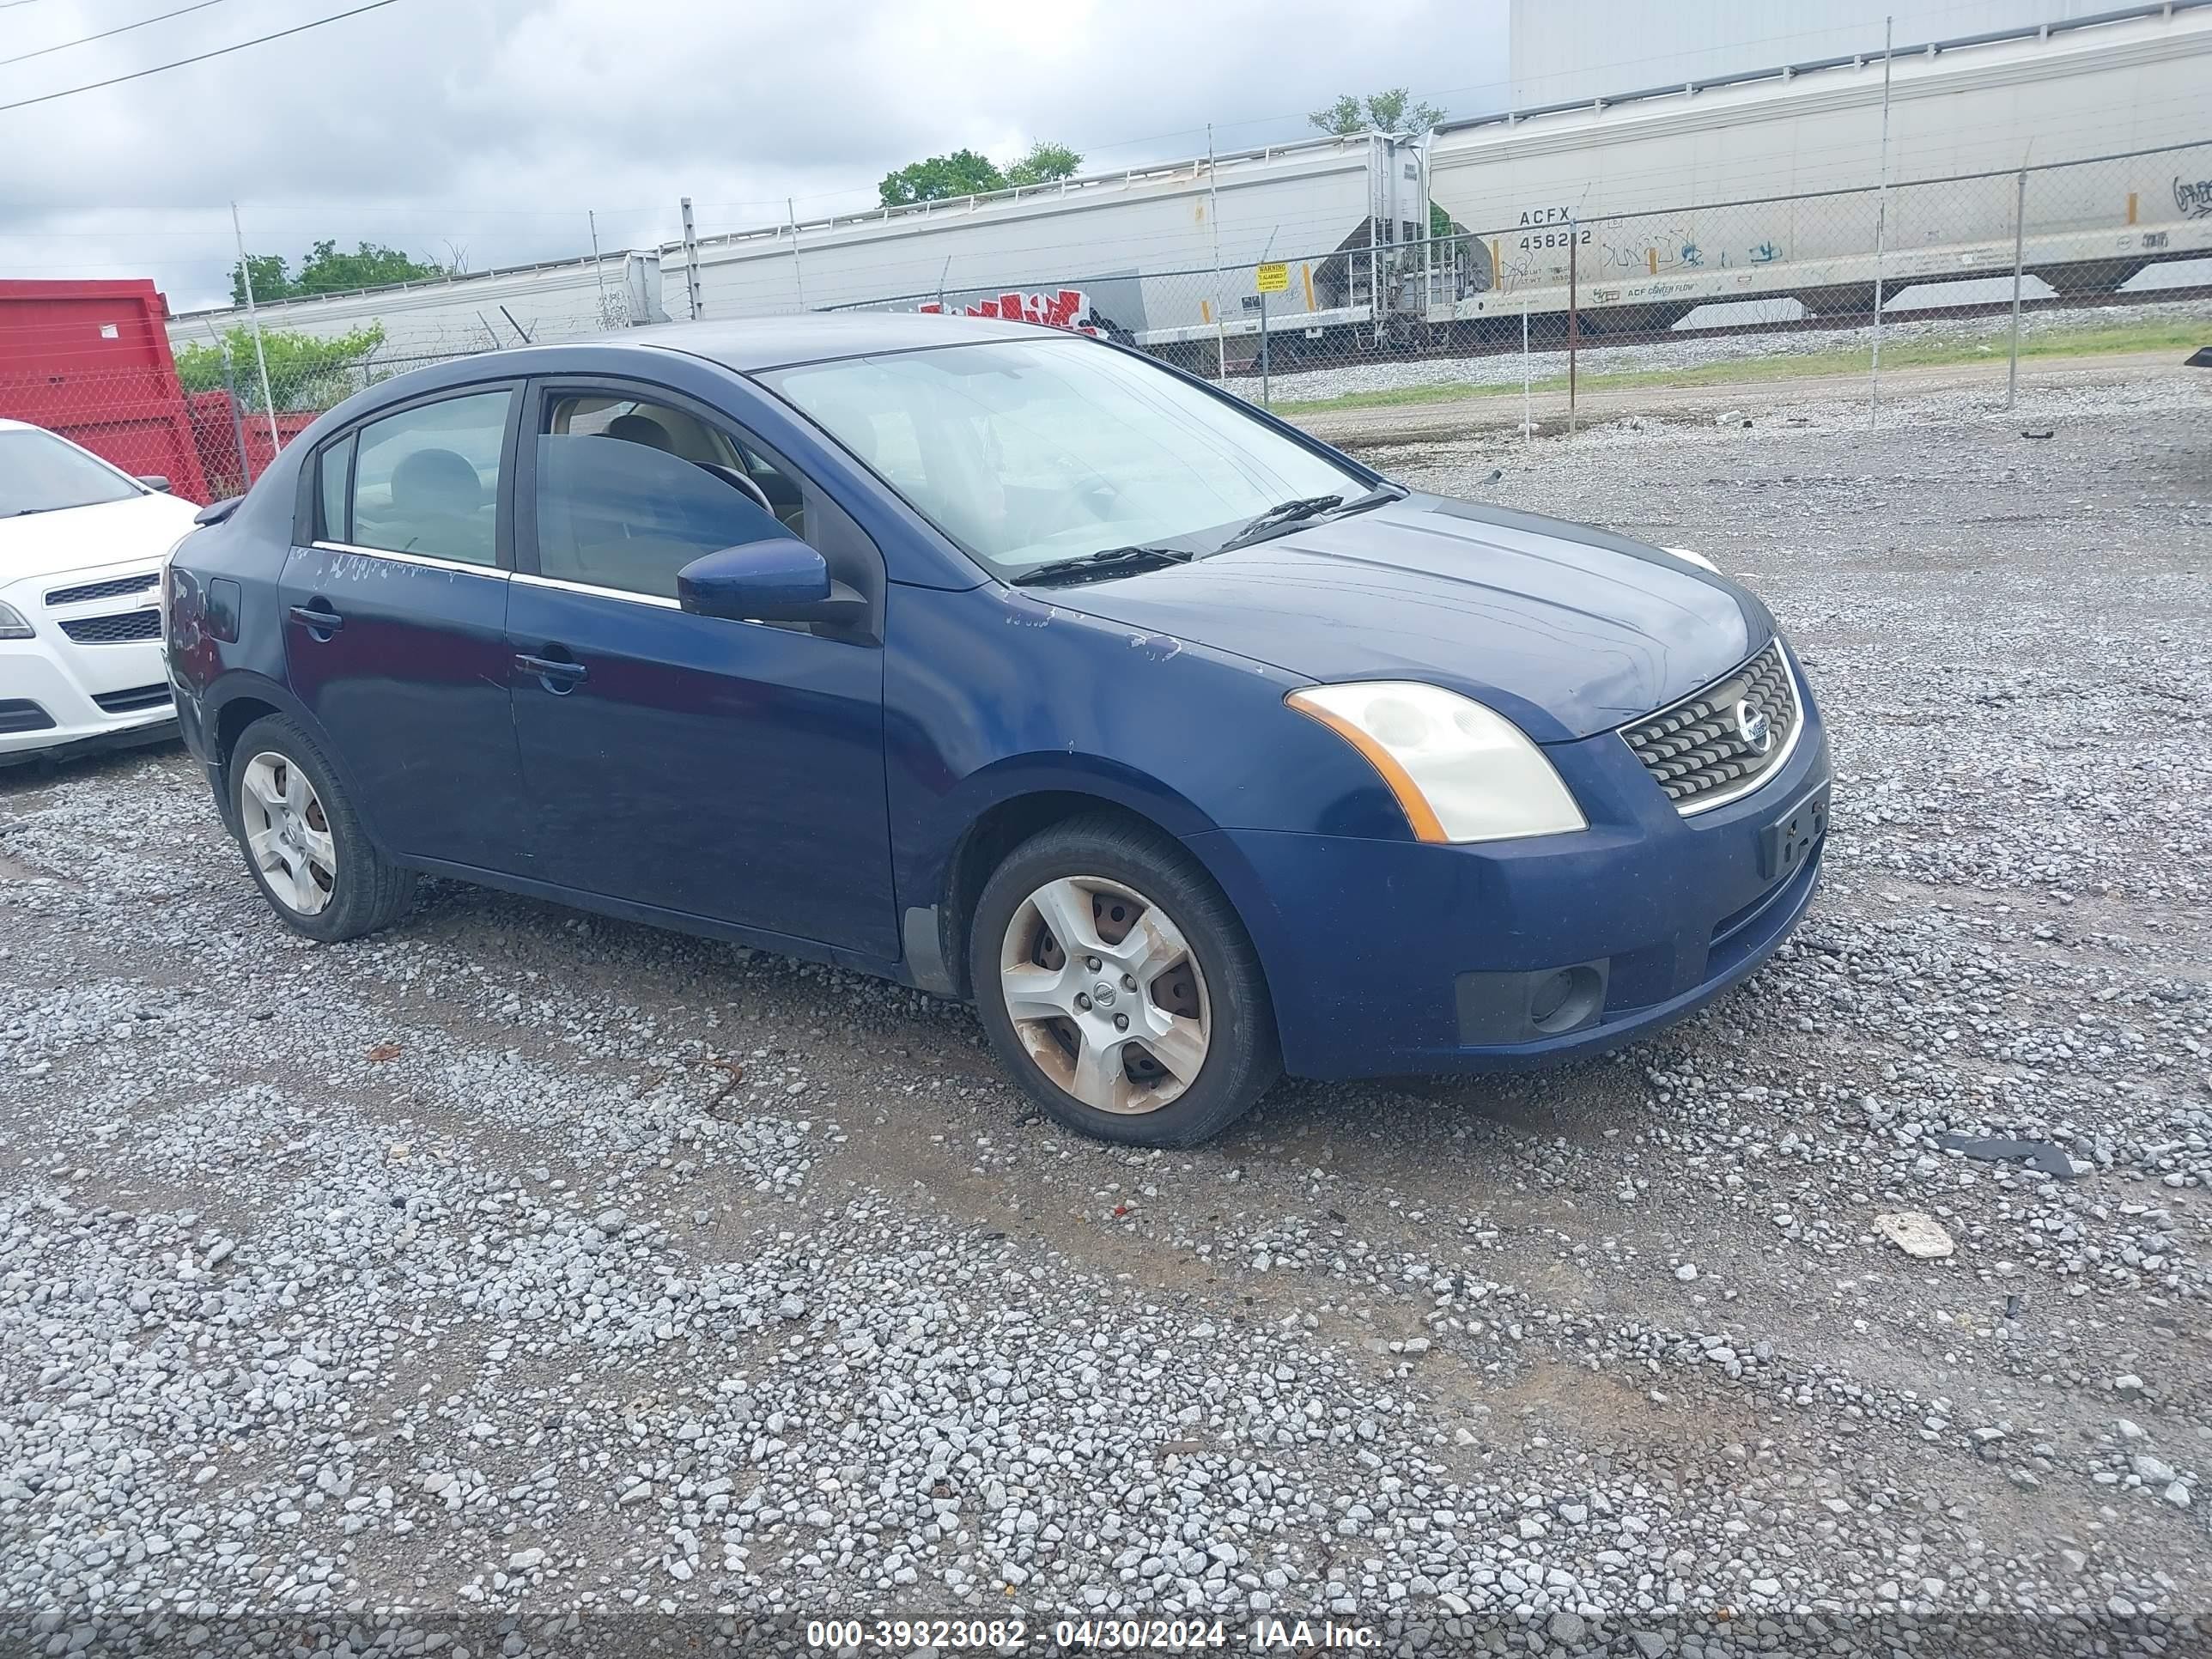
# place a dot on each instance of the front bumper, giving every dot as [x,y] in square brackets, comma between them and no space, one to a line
[50,693]
[1389,957]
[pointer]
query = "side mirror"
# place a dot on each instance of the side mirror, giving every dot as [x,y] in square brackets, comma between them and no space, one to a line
[779,580]
[154,481]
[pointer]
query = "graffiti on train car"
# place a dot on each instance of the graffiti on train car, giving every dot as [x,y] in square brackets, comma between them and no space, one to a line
[1069,308]
[2193,197]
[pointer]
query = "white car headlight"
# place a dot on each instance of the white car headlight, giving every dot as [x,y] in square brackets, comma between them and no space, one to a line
[12,625]
[1698,559]
[1461,771]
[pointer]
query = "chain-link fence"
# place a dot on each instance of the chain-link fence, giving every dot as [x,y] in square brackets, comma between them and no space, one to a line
[1599,314]
[1548,322]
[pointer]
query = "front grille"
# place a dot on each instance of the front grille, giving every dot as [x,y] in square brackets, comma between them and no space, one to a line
[1699,751]
[115,629]
[130,702]
[21,715]
[114,588]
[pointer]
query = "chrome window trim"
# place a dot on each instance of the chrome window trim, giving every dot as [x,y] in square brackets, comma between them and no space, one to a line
[597,592]
[427,560]
[1703,803]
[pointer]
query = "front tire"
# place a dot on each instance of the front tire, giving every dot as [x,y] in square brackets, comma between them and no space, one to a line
[1118,987]
[304,842]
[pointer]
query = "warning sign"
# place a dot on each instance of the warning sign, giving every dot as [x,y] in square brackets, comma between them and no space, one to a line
[1272,279]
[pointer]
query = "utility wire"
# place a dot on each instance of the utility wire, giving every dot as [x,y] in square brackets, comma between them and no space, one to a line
[139,75]
[121,28]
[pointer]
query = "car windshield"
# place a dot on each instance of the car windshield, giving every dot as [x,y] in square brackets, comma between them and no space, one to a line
[1026,451]
[40,473]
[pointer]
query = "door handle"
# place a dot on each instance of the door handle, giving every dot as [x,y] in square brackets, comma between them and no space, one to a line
[559,677]
[320,620]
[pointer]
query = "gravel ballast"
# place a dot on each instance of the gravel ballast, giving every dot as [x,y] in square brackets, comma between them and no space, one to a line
[520,1282]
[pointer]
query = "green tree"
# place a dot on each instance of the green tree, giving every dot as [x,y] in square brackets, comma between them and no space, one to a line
[326,269]
[271,279]
[968,172]
[1393,110]
[941,178]
[1044,162]
[304,372]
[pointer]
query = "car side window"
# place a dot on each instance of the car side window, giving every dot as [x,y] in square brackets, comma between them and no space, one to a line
[333,467]
[425,480]
[629,493]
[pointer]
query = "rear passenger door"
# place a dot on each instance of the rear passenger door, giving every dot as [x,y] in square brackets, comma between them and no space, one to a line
[395,622]
[728,770]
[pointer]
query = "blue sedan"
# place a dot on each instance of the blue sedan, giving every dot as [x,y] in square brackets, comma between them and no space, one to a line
[1011,665]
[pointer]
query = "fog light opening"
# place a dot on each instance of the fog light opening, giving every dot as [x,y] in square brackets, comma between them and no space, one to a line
[1560,1002]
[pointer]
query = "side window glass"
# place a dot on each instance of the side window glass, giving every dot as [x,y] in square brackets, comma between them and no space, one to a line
[786,499]
[618,508]
[334,464]
[427,480]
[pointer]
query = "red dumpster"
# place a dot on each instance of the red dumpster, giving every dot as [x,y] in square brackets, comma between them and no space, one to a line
[91,361]
[216,436]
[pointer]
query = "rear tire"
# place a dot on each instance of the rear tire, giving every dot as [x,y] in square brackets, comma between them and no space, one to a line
[1118,986]
[304,842]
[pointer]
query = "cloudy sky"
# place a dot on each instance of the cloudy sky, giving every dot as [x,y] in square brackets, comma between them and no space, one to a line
[491,126]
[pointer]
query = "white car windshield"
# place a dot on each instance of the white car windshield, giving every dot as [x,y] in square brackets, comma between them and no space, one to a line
[40,473]
[1025,453]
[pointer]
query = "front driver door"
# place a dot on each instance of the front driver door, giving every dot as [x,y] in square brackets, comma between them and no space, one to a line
[723,769]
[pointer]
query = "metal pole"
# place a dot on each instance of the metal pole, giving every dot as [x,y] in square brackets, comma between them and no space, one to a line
[1527,422]
[253,321]
[2018,237]
[1263,348]
[798,278]
[1881,224]
[599,271]
[1574,318]
[237,424]
[1213,220]
[690,260]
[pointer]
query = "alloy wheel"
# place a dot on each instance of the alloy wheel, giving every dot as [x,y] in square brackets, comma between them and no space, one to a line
[287,833]
[1105,993]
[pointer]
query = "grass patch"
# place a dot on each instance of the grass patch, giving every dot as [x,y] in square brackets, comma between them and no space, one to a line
[2113,340]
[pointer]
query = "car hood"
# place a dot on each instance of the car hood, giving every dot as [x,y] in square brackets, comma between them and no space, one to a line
[1563,628]
[38,546]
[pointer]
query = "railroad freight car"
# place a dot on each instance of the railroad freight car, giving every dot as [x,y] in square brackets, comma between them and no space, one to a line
[1760,187]
[515,305]
[1135,251]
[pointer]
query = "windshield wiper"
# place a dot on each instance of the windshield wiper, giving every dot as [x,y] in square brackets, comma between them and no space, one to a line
[1286,513]
[1111,561]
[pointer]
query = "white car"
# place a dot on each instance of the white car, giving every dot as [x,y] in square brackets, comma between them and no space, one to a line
[81,549]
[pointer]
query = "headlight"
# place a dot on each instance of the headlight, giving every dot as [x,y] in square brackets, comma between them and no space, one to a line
[1698,559]
[12,625]
[1461,771]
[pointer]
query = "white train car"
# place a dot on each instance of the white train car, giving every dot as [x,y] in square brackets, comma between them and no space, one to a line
[1657,202]
[540,303]
[1139,245]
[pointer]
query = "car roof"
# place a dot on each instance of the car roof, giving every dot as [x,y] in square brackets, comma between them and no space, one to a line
[759,343]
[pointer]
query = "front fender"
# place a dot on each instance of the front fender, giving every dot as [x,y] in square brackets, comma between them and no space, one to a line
[995,693]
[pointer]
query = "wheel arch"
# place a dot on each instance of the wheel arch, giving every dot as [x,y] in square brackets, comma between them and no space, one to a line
[1038,800]
[240,698]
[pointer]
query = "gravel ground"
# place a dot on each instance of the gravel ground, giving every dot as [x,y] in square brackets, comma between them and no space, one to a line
[518,1282]
[1505,369]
